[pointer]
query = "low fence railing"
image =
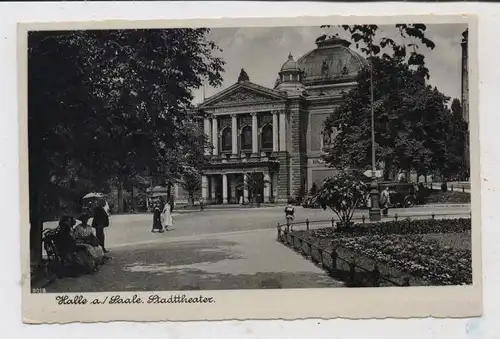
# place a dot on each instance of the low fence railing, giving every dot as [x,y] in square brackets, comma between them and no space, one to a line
[452,186]
[340,262]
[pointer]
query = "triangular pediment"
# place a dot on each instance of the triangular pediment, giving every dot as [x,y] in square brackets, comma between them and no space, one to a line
[243,93]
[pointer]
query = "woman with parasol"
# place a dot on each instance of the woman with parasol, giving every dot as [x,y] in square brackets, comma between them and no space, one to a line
[157,226]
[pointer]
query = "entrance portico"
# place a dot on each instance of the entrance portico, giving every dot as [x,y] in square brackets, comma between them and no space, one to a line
[248,150]
[233,187]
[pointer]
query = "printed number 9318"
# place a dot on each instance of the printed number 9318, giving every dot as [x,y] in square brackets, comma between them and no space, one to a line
[38,290]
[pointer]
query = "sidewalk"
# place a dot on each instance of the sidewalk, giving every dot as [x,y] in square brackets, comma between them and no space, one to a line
[243,260]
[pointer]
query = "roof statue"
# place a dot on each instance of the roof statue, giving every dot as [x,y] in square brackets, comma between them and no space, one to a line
[243,76]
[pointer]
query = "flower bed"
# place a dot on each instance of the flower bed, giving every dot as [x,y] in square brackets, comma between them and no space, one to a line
[431,252]
[423,258]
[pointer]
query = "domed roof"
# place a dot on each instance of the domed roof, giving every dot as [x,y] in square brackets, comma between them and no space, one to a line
[332,60]
[290,65]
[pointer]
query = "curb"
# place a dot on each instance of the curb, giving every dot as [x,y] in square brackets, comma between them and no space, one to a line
[239,208]
[443,205]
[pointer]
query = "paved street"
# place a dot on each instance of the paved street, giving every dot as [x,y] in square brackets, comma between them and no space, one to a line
[214,249]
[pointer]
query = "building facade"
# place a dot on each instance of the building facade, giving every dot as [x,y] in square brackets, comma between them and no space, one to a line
[274,136]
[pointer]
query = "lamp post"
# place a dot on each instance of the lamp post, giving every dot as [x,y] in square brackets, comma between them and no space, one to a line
[374,193]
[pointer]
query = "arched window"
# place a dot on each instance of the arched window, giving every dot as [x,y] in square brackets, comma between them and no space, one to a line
[246,138]
[266,137]
[226,140]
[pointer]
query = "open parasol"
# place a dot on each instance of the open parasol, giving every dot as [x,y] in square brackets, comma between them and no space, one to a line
[93,195]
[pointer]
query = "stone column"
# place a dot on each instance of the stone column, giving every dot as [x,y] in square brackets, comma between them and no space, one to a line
[224,188]
[255,135]
[208,132]
[213,188]
[275,185]
[282,126]
[215,136]
[232,187]
[275,132]
[234,133]
[204,187]
[267,186]
[245,188]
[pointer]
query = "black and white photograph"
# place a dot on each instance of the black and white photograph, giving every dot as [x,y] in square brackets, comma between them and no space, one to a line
[329,156]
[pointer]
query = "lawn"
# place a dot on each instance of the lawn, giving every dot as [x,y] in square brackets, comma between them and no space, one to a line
[448,197]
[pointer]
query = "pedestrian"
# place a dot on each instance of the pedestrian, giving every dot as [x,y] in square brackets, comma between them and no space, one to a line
[171,203]
[85,238]
[106,208]
[166,216]
[289,212]
[385,200]
[157,225]
[100,222]
[202,204]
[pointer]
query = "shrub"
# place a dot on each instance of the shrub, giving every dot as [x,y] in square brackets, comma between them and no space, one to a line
[341,194]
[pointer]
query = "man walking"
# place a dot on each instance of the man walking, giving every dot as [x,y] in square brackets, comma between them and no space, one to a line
[100,221]
[385,201]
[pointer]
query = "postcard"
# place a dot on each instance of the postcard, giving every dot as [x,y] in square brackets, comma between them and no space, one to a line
[287,168]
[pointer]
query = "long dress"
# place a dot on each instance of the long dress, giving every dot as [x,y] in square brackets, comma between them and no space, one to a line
[166,216]
[80,261]
[157,225]
[85,237]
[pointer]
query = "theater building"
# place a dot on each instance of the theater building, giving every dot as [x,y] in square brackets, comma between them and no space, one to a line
[274,135]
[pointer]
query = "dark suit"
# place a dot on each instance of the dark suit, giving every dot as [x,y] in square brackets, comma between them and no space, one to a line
[101,220]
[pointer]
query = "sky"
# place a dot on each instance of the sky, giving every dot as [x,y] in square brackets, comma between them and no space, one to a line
[262,50]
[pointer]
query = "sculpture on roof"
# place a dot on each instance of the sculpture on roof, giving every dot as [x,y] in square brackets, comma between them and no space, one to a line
[243,76]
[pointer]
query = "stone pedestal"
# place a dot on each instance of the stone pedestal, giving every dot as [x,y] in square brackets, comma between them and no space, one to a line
[374,197]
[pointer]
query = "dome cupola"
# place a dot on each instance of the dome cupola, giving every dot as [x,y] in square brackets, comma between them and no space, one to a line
[289,79]
[331,62]
[290,65]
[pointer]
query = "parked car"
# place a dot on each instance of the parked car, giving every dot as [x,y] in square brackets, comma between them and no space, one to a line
[310,202]
[402,194]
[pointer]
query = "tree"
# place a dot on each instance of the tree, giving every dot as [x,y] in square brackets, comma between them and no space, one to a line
[342,194]
[313,190]
[456,142]
[193,159]
[411,117]
[109,100]
[365,38]
[411,121]
[149,75]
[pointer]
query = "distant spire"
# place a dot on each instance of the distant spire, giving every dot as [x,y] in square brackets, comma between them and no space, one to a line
[290,56]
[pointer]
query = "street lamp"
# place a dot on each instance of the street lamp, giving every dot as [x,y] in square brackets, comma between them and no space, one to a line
[162,151]
[374,193]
